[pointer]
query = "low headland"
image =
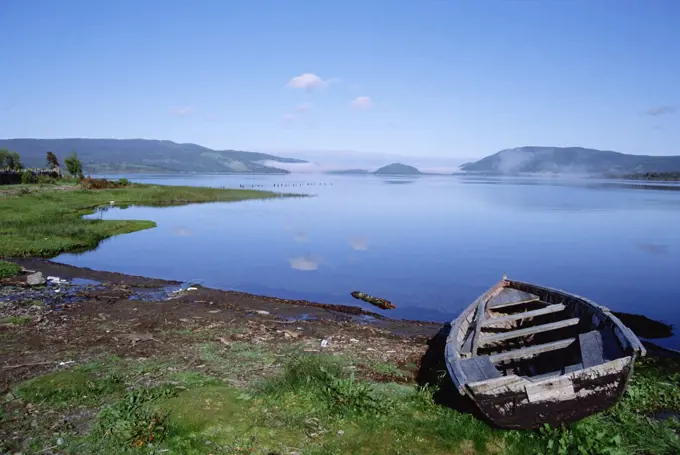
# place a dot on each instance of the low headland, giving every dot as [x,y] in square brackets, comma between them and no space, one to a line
[45,220]
[105,363]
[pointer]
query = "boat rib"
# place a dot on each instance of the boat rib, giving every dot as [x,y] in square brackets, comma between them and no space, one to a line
[524,315]
[527,331]
[531,350]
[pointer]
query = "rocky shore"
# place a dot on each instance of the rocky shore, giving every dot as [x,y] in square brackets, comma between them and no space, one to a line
[80,312]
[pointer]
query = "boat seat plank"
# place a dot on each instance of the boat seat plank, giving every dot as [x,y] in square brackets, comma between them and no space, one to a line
[479,368]
[598,347]
[526,314]
[528,331]
[510,296]
[531,350]
[565,370]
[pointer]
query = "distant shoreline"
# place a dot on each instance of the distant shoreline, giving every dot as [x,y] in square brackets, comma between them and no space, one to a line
[642,176]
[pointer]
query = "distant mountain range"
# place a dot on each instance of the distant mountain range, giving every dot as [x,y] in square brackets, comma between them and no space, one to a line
[144,155]
[570,160]
[154,156]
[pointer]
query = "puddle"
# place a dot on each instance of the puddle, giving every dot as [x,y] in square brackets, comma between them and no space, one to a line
[303,317]
[156,294]
[84,282]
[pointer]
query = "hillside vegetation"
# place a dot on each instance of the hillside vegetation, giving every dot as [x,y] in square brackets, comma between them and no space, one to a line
[143,155]
[570,160]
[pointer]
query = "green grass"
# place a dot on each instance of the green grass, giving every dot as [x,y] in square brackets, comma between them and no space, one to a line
[17,320]
[314,405]
[68,388]
[9,269]
[46,223]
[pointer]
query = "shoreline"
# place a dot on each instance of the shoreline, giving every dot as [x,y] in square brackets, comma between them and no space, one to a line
[287,308]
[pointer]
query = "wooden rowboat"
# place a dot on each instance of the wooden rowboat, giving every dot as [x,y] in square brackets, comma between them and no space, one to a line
[529,355]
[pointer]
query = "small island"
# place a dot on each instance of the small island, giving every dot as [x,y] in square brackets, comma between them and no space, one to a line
[398,169]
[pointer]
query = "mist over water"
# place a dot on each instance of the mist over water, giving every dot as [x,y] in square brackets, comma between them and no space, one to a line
[430,246]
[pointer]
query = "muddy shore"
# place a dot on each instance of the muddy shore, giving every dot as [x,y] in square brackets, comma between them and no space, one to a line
[90,313]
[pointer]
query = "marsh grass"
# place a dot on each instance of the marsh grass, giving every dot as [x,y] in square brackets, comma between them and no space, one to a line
[46,223]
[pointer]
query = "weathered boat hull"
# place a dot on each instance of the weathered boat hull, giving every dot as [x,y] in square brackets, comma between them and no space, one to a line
[528,355]
[512,409]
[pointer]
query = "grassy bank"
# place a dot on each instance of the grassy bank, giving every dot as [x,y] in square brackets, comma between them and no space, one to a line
[219,378]
[45,221]
[314,405]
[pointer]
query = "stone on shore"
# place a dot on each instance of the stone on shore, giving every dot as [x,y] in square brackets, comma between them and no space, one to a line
[35,279]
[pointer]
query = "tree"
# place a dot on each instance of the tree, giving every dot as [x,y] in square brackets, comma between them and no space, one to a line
[52,161]
[13,161]
[10,160]
[74,166]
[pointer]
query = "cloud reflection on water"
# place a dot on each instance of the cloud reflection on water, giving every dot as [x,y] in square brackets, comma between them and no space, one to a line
[358,243]
[300,237]
[304,263]
[182,231]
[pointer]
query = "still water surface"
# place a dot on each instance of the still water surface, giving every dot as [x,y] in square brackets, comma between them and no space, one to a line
[430,244]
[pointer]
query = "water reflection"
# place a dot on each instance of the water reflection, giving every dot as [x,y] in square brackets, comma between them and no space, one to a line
[398,182]
[653,249]
[304,263]
[182,231]
[358,243]
[300,237]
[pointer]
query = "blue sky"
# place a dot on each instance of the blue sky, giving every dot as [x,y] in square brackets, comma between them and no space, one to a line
[423,77]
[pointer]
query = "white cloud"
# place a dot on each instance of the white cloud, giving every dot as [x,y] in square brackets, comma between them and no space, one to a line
[181,111]
[297,112]
[307,81]
[358,243]
[362,102]
[304,263]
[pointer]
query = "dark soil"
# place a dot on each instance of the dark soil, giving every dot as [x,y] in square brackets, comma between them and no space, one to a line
[132,316]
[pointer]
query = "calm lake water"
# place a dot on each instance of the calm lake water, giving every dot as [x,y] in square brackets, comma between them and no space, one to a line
[429,244]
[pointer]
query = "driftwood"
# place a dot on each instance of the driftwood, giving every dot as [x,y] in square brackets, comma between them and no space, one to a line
[377,301]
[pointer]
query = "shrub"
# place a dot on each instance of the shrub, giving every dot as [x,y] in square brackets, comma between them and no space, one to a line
[123,182]
[74,166]
[9,269]
[28,177]
[46,180]
[99,184]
